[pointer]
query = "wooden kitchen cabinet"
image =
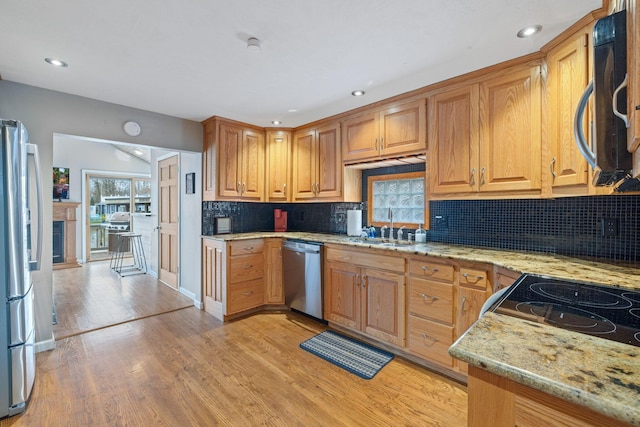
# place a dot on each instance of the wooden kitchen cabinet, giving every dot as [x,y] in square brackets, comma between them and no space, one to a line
[395,131]
[278,165]
[317,164]
[209,161]
[633,90]
[430,310]
[485,137]
[214,276]
[501,402]
[568,74]
[273,288]
[361,295]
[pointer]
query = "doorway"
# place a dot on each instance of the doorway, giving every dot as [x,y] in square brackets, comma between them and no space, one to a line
[109,201]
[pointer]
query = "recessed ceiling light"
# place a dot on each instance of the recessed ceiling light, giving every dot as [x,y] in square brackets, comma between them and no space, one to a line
[138,152]
[293,110]
[253,44]
[357,93]
[56,62]
[276,122]
[529,31]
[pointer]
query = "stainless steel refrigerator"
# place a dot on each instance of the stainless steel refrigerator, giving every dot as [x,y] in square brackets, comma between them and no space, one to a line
[20,253]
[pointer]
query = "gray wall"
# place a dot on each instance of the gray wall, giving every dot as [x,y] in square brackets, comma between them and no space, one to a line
[46,112]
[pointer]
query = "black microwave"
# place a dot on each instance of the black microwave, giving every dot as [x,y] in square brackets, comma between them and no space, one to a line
[609,156]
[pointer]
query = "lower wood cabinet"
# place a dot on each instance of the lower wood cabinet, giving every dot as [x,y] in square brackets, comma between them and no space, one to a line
[238,276]
[365,298]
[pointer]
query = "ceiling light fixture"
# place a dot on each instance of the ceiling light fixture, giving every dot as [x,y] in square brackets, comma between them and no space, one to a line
[529,31]
[357,93]
[56,62]
[253,44]
[276,122]
[138,152]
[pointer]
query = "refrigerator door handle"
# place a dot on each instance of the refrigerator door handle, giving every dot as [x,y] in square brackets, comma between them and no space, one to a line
[32,150]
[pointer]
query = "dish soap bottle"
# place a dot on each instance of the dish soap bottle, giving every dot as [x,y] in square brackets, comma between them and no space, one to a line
[421,235]
[372,232]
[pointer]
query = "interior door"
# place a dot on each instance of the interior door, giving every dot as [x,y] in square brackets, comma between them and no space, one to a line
[168,221]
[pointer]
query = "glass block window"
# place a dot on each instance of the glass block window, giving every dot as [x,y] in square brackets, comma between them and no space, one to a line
[402,193]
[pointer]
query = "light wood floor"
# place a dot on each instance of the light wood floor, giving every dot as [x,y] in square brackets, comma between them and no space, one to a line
[94,296]
[186,368]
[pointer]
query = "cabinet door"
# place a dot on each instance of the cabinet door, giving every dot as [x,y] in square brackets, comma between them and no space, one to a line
[304,165]
[568,74]
[213,276]
[342,294]
[383,313]
[361,137]
[510,131]
[453,140]
[229,164]
[403,129]
[252,165]
[274,289]
[278,168]
[633,70]
[470,303]
[208,162]
[329,161]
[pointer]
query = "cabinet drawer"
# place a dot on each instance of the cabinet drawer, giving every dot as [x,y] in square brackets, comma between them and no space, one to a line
[473,277]
[430,340]
[431,299]
[246,267]
[384,262]
[245,295]
[431,270]
[242,247]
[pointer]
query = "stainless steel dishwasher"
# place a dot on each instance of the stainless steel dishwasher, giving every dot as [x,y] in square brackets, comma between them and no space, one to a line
[302,273]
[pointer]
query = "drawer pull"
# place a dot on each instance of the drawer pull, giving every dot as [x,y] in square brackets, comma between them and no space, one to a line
[467,276]
[432,299]
[250,248]
[246,294]
[464,302]
[427,337]
[425,268]
[246,267]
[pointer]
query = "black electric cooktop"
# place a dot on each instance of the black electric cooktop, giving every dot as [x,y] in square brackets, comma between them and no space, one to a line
[592,309]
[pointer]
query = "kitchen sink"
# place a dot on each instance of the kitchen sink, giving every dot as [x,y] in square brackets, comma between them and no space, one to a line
[380,242]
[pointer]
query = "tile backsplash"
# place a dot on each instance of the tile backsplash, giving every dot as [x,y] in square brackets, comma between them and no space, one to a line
[567,226]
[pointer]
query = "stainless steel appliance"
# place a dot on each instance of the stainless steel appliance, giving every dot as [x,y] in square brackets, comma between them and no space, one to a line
[19,175]
[609,157]
[602,311]
[302,273]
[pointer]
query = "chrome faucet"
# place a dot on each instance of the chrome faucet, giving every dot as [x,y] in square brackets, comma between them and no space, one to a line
[384,227]
[400,232]
[390,216]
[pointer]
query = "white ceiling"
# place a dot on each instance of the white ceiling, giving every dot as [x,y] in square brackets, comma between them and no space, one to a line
[189,58]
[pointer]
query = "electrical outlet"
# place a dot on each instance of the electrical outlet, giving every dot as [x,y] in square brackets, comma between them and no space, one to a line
[440,222]
[609,227]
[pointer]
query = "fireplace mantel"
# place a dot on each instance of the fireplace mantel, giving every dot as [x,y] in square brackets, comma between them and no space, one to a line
[66,212]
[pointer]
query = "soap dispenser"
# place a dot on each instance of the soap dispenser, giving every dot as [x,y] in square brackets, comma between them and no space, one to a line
[372,231]
[421,235]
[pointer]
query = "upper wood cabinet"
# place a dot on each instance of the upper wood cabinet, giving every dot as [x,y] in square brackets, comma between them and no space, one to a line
[394,131]
[567,78]
[278,167]
[633,71]
[486,137]
[233,162]
[317,164]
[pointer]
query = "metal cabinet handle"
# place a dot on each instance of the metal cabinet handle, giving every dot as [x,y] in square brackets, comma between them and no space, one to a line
[624,117]
[247,248]
[425,269]
[247,267]
[246,294]
[381,143]
[427,337]
[467,276]
[464,302]
[244,187]
[472,180]
[284,188]
[482,171]
[578,133]
[238,187]
[553,168]
[375,144]
[425,297]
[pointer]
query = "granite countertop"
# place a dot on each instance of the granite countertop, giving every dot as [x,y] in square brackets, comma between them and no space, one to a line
[521,262]
[593,372]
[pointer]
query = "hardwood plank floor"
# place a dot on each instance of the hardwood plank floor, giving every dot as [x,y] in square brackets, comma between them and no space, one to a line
[94,296]
[187,368]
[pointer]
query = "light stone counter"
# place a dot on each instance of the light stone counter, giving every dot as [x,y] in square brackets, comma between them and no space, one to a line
[549,265]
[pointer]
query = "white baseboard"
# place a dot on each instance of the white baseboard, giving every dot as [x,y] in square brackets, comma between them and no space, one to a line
[45,345]
[198,304]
